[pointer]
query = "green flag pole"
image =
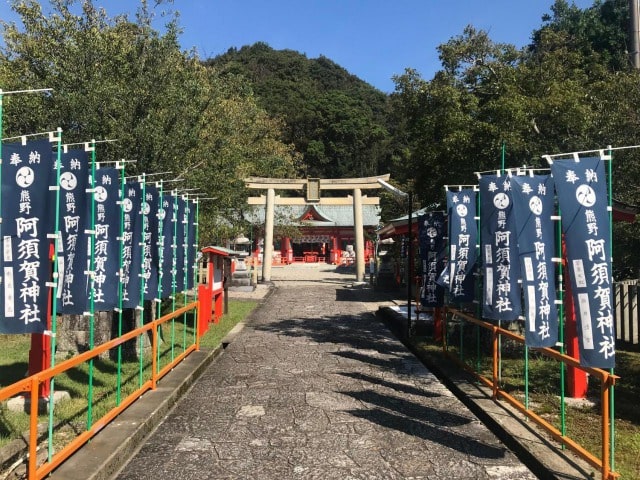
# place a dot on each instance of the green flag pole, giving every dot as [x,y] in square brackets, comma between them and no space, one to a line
[57,238]
[92,245]
[612,439]
[120,166]
[143,217]
[195,260]
[174,272]
[160,186]
[190,245]
[561,321]
[503,152]
[185,265]
[478,280]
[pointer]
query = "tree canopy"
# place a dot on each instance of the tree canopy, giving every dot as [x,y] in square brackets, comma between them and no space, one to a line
[336,121]
[117,78]
[571,89]
[265,112]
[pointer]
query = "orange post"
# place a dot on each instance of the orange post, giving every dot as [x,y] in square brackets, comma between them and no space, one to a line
[204,310]
[33,427]
[154,358]
[495,348]
[437,324]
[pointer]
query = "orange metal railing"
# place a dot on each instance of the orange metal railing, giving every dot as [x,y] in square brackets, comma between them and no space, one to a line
[607,382]
[31,386]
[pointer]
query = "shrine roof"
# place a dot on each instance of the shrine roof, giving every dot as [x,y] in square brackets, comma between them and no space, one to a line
[325,215]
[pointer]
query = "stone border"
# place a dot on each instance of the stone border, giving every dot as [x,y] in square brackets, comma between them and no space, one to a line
[539,452]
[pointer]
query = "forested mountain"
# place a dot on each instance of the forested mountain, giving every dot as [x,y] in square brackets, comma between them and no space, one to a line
[265,112]
[335,120]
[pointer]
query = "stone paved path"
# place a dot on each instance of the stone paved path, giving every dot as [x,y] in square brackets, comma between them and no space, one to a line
[317,388]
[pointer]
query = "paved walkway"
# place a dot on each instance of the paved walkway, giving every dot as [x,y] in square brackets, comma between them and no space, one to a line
[315,387]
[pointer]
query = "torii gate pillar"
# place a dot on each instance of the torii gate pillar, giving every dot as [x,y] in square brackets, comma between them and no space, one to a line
[267,254]
[358,234]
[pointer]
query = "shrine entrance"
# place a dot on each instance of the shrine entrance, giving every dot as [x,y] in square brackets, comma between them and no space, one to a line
[332,229]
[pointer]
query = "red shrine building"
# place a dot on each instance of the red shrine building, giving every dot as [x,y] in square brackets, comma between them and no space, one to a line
[326,231]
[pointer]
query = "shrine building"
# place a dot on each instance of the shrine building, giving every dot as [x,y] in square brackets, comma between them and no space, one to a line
[326,230]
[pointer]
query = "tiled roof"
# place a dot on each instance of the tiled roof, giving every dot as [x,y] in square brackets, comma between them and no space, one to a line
[335,215]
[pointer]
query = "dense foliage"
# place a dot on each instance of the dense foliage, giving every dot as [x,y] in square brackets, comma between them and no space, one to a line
[572,89]
[115,78]
[335,120]
[260,111]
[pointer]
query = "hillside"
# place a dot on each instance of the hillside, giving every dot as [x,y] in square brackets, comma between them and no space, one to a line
[334,119]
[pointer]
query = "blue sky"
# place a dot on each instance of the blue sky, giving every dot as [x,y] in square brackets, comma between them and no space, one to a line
[373,39]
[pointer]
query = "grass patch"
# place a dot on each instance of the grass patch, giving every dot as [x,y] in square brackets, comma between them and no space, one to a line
[238,311]
[582,424]
[75,415]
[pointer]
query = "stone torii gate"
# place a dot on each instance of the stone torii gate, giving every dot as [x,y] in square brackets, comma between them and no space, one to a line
[313,188]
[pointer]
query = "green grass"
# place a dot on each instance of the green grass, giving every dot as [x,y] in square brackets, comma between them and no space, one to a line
[582,424]
[72,417]
[238,311]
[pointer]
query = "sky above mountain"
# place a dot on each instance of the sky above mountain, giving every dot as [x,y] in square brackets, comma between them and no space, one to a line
[373,39]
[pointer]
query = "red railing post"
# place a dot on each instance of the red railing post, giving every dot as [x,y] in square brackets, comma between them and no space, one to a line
[33,426]
[154,357]
[437,324]
[494,347]
[577,380]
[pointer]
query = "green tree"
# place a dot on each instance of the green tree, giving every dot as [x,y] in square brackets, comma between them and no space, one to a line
[114,78]
[570,90]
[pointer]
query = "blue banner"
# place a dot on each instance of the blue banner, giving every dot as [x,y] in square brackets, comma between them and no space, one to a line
[581,187]
[73,267]
[131,250]
[168,215]
[27,173]
[463,238]
[431,229]
[181,244]
[192,246]
[150,256]
[501,293]
[107,245]
[533,204]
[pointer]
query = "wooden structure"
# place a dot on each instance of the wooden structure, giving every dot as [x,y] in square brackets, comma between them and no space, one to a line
[213,292]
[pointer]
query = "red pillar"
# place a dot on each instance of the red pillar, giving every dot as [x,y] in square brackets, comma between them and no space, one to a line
[218,302]
[368,250]
[335,251]
[204,312]
[286,251]
[40,359]
[577,381]
[40,351]
[437,324]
